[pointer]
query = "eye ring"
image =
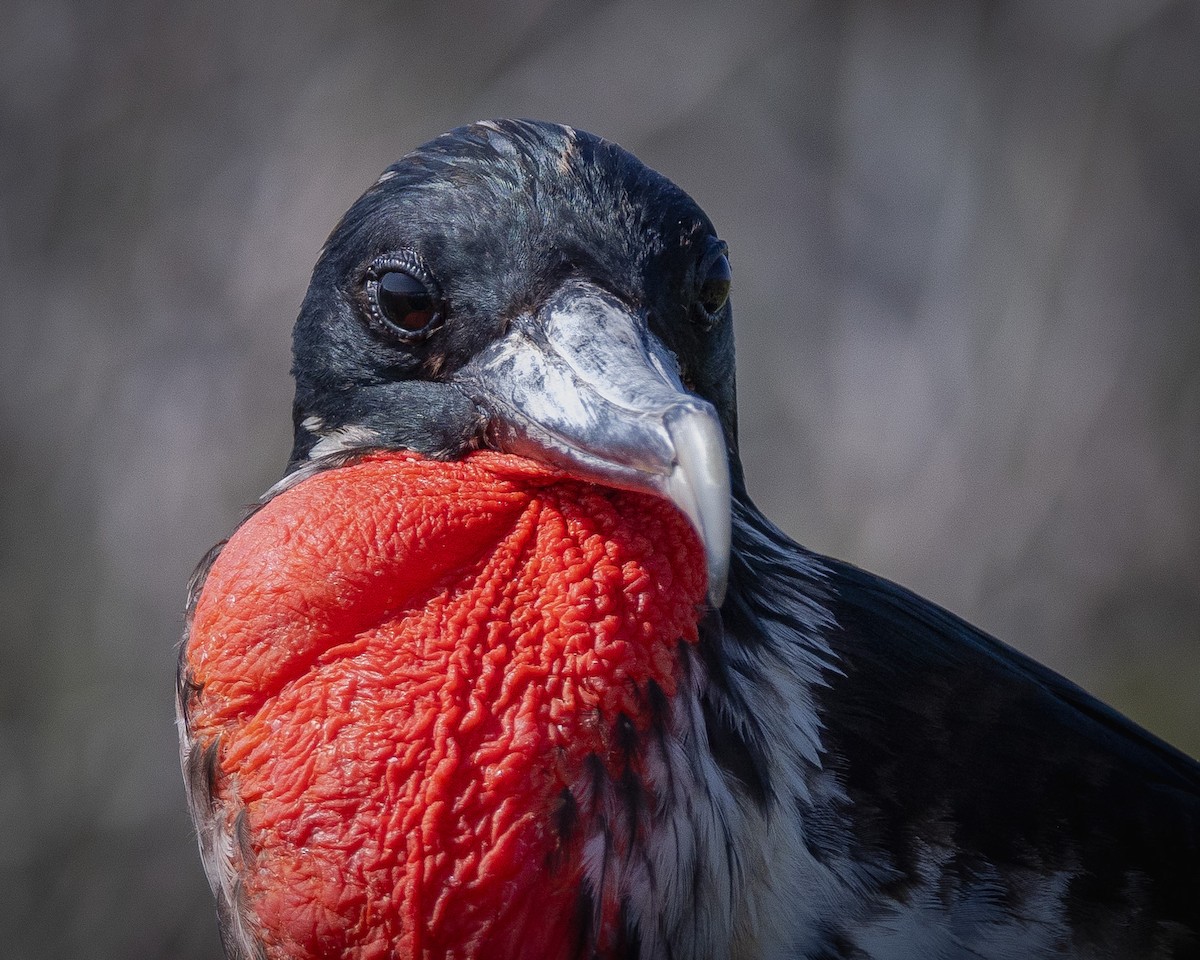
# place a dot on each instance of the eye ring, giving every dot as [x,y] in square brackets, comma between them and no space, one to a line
[714,277]
[403,299]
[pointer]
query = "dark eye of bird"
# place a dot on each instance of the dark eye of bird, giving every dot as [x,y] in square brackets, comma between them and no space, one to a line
[714,288]
[405,302]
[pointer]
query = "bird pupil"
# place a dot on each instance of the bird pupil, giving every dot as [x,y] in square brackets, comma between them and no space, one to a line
[714,291]
[405,301]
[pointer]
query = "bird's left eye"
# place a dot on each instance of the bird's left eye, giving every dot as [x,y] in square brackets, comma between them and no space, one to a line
[714,287]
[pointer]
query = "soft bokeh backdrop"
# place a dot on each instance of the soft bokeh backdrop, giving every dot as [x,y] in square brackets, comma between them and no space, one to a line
[966,241]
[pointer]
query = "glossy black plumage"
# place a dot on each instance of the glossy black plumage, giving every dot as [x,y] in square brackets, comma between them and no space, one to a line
[921,789]
[942,732]
[950,747]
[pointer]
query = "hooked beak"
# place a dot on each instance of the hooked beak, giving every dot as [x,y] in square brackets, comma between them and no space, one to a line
[585,386]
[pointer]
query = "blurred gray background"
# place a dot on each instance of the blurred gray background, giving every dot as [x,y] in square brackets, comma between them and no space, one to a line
[966,245]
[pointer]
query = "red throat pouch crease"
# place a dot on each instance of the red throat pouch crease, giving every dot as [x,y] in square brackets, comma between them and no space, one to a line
[405,667]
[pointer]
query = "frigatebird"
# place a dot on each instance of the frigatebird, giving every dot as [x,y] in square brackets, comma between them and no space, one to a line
[510,665]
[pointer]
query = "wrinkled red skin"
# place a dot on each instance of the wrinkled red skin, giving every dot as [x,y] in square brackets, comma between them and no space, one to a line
[406,663]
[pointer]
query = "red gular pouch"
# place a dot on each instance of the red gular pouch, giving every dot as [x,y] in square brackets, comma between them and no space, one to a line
[409,670]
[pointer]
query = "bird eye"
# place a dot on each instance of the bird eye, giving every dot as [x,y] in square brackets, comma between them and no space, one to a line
[403,299]
[714,288]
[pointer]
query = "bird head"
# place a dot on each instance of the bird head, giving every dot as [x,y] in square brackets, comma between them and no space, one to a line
[528,288]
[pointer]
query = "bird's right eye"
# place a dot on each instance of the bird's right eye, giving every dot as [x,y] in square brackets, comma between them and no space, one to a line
[404,299]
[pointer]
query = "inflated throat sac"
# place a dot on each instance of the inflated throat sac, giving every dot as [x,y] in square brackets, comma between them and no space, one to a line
[409,667]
